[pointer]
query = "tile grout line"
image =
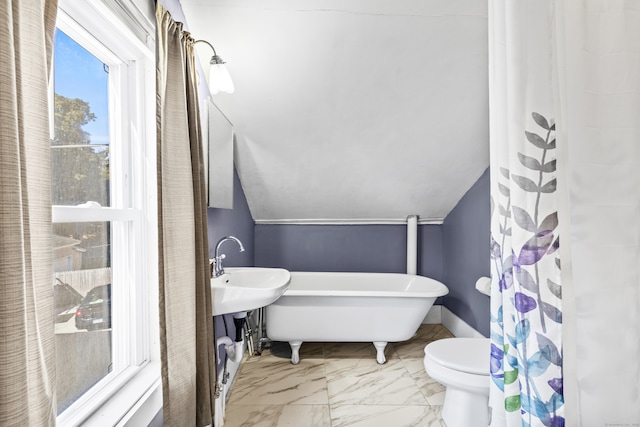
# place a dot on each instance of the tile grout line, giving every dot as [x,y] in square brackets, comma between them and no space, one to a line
[406,357]
[326,380]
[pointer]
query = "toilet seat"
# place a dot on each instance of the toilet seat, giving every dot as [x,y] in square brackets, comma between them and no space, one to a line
[462,363]
[462,366]
[469,355]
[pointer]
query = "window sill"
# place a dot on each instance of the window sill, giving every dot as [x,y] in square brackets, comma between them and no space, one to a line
[135,404]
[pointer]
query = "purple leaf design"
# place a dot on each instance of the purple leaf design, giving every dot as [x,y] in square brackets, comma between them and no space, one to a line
[524,303]
[496,359]
[557,421]
[523,219]
[535,248]
[496,252]
[556,385]
[505,282]
[496,352]
[516,262]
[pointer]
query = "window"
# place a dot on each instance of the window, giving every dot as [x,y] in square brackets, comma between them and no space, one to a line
[103,196]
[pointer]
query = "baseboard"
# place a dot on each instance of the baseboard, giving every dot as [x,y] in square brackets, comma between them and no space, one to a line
[232,370]
[434,316]
[457,326]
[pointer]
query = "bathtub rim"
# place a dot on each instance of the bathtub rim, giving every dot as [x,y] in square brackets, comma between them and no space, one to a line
[439,290]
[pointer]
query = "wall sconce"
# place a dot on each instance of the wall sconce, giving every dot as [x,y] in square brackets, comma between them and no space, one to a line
[219,78]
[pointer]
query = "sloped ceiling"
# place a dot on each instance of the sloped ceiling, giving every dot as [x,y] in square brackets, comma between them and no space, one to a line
[354,110]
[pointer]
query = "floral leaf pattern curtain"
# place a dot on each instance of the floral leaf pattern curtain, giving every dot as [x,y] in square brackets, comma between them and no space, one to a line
[565,349]
[526,360]
[526,311]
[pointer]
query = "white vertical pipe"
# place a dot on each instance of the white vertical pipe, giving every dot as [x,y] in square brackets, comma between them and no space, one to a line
[412,244]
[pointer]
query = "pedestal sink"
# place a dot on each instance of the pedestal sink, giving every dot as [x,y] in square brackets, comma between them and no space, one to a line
[247,288]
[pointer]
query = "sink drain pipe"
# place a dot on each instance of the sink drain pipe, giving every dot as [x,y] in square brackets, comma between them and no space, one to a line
[234,348]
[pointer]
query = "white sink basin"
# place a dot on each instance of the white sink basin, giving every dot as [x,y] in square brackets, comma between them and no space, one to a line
[247,288]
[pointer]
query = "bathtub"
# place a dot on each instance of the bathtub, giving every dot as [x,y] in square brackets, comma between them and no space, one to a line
[351,307]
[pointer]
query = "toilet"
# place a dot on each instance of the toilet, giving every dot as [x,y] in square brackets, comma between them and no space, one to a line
[462,366]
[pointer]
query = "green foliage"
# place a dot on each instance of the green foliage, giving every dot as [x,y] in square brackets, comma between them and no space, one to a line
[70,115]
[80,173]
[510,376]
[80,170]
[512,403]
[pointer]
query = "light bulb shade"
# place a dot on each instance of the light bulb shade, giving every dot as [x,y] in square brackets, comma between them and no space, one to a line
[219,79]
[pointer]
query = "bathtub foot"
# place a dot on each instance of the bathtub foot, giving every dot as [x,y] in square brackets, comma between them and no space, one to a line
[380,345]
[295,351]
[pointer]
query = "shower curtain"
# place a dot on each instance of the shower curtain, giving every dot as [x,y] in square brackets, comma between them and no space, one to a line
[565,155]
[526,309]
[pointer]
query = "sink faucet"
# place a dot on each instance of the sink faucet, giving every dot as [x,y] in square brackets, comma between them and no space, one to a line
[218,270]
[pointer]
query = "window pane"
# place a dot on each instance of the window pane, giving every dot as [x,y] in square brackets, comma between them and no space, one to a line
[80,146]
[82,289]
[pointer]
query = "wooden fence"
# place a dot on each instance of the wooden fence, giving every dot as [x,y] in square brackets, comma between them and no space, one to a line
[84,280]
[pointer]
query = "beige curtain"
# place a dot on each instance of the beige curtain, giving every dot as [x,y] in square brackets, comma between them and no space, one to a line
[186,323]
[27,352]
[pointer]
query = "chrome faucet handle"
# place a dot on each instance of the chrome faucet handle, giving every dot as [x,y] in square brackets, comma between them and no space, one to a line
[218,269]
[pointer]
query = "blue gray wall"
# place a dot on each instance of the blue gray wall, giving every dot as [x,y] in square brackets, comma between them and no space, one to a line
[235,222]
[361,248]
[457,252]
[465,238]
[239,223]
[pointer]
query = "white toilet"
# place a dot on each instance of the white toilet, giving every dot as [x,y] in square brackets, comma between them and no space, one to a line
[462,366]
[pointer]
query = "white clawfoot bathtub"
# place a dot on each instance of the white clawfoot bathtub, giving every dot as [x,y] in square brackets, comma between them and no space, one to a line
[351,307]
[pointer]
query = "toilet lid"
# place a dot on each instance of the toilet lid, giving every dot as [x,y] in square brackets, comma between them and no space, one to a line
[470,355]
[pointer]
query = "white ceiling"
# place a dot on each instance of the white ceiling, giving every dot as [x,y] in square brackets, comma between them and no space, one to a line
[356,110]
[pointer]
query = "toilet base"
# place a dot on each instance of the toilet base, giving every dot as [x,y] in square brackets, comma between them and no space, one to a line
[464,409]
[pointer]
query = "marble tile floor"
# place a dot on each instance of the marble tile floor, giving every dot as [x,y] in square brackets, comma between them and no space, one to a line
[338,385]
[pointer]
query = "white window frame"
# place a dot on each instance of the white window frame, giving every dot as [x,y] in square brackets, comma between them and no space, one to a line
[119,34]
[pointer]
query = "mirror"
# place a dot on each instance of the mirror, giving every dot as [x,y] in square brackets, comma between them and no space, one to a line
[220,167]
